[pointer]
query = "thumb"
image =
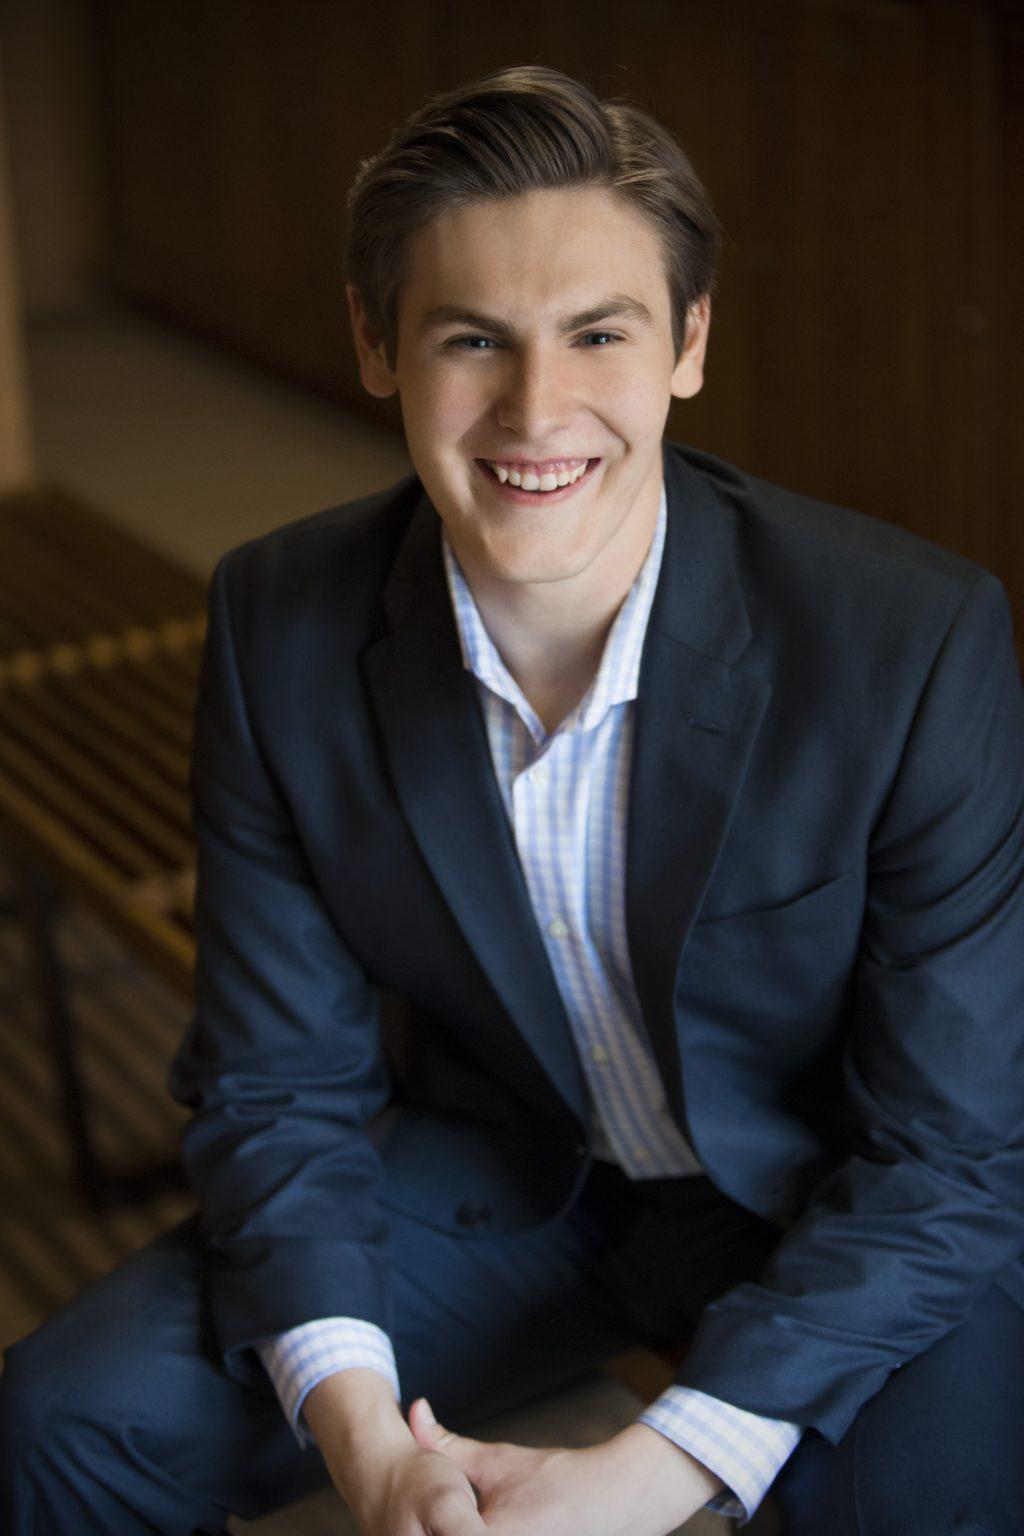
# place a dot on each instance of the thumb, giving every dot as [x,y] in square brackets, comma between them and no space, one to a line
[432,1436]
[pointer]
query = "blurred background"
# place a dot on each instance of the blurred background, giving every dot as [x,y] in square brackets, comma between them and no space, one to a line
[176,375]
[177,174]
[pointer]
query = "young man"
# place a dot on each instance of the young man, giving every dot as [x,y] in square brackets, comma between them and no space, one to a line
[686,813]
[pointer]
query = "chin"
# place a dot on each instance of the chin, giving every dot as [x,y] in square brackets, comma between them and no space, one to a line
[534,565]
[505,552]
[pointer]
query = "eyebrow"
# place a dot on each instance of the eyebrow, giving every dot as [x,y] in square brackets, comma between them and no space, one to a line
[619,306]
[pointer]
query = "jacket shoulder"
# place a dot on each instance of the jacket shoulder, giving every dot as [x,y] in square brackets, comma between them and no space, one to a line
[826,529]
[335,560]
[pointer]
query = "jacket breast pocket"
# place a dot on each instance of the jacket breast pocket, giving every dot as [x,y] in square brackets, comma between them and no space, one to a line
[807,913]
[769,984]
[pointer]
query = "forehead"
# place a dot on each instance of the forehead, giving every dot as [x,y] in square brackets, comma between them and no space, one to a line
[549,250]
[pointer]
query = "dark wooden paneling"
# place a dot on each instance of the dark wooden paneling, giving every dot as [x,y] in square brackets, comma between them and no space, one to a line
[232,133]
[1007,325]
[864,156]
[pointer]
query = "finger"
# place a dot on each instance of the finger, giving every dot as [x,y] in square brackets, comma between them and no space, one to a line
[456,1517]
[432,1436]
[466,1523]
[427,1432]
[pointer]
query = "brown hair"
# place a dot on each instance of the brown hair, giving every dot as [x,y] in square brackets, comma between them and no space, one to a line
[516,131]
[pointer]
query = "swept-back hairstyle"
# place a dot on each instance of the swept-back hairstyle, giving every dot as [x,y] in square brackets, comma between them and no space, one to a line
[517,131]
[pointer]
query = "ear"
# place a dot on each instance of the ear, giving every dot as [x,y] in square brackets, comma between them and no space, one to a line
[688,374]
[374,371]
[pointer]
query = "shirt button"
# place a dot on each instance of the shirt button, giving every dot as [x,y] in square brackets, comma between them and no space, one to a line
[540,774]
[558,929]
[641,1154]
[598,1053]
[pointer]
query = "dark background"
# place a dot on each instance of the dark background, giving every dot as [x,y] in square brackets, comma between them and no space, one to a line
[865,156]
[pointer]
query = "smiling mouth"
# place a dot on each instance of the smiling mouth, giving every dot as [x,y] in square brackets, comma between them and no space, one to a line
[551,482]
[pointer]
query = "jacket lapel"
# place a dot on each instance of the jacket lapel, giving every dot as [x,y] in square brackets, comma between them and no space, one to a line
[436,743]
[696,721]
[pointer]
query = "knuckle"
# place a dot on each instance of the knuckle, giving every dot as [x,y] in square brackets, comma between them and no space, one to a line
[447,1503]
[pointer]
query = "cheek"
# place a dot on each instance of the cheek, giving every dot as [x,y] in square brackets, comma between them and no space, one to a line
[642,395]
[633,400]
[442,413]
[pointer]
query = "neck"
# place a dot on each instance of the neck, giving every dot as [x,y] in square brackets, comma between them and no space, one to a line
[552,652]
[551,635]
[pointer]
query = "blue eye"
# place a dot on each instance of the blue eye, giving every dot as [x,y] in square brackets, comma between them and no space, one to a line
[596,339]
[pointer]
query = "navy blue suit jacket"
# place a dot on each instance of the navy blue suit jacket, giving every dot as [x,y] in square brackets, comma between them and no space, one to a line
[825,914]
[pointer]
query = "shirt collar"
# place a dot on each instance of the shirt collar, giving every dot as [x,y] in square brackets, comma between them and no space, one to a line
[618,675]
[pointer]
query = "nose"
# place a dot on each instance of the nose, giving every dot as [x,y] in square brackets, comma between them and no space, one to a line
[536,398]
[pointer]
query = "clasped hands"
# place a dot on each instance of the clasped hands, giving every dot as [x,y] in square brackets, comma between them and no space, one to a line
[635,1484]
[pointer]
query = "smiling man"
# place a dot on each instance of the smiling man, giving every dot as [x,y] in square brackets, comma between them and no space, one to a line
[534,407]
[685,814]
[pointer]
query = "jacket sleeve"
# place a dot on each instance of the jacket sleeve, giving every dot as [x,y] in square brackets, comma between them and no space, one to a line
[901,1238]
[282,1065]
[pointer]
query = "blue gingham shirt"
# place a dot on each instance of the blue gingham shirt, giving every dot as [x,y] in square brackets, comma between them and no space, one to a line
[566,794]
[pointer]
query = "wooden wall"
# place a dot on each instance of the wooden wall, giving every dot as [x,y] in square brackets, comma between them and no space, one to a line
[865,156]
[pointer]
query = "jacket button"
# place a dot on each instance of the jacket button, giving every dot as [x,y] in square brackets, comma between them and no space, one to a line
[471,1213]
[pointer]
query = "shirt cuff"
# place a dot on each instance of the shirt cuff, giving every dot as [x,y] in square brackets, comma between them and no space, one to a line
[745,1450]
[297,1360]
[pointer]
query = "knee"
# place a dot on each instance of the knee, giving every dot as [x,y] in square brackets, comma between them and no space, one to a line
[867,1487]
[23,1391]
[50,1382]
[62,1445]
[32,1395]
[60,1450]
[24,1411]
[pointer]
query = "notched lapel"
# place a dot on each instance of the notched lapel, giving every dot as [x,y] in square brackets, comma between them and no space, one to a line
[436,743]
[698,715]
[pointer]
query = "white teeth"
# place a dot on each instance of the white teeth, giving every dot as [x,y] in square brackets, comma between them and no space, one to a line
[529,480]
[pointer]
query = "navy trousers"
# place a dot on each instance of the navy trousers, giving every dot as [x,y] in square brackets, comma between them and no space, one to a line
[117,1418]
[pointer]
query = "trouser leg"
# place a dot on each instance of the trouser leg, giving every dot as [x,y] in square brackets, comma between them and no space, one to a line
[937,1451]
[117,1415]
